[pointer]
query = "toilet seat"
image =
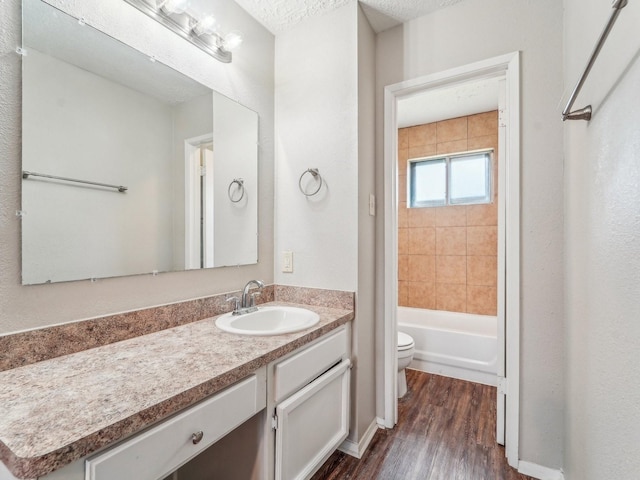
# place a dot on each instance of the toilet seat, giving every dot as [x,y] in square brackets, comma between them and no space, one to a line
[405,342]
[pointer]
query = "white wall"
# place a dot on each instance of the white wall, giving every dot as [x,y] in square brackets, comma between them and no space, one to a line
[475,30]
[249,80]
[324,119]
[317,127]
[365,299]
[235,131]
[192,119]
[602,228]
[73,232]
[389,70]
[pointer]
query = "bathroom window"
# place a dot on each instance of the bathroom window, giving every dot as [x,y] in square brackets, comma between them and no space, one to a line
[460,179]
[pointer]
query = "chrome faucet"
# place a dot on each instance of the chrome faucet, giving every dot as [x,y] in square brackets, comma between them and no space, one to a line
[248,300]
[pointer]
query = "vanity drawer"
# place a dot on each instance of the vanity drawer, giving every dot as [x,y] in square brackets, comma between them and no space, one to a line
[298,370]
[160,450]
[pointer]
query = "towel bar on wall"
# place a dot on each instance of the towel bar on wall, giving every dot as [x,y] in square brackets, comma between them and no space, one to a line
[240,187]
[315,173]
[585,113]
[26,174]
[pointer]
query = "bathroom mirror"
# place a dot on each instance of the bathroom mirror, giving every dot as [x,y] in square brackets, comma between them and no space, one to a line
[129,167]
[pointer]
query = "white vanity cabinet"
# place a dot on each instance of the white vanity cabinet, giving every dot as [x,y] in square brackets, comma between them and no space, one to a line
[162,449]
[310,401]
[279,423]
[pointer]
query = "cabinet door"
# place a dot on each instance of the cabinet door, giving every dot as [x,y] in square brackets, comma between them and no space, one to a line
[312,423]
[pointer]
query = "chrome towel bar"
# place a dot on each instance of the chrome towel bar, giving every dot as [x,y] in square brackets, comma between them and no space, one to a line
[315,173]
[240,187]
[26,174]
[585,113]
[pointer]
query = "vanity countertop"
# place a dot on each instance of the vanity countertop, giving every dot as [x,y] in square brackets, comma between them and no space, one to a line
[56,411]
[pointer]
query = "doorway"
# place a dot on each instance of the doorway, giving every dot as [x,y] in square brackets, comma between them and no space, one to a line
[199,202]
[505,70]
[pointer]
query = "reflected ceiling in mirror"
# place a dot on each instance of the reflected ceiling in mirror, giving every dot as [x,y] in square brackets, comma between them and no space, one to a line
[97,110]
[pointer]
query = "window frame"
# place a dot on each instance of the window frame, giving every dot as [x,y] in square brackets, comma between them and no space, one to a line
[447,158]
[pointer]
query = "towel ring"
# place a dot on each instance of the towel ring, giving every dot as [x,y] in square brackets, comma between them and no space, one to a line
[316,176]
[240,183]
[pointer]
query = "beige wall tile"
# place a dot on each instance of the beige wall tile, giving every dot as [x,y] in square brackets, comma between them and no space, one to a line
[451,269]
[482,240]
[455,146]
[451,240]
[452,298]
[403,241]
[402,188]
[403,215]
[403,294]
[485,141]
[403,157]
[482,270]
[450,130]
[482,300]
[403,138]
[422,135]
[483,124]
[422,268]
[421,217]
[421,295]
[446,248]
[486,214]
[452,216]
[422,241]
[421,151]
[403,268]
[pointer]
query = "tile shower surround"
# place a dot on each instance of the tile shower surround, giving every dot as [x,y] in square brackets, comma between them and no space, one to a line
[62,392]
[447,256]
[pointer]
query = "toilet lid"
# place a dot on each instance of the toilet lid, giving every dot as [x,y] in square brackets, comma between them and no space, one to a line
[404,341]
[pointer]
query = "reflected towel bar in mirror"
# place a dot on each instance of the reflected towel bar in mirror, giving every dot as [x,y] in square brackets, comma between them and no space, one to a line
[240,188]
[26,174]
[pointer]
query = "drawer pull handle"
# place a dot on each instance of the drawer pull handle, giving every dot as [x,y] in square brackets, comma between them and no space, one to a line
[197,437]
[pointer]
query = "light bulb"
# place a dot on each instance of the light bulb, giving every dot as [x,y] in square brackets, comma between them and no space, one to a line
[232,40]
[174,6]
[205,25]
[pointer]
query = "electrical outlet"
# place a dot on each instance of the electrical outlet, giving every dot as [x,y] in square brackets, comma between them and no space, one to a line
[287,262]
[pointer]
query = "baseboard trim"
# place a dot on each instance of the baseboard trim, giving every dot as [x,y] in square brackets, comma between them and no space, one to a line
[538,471]
[357,449]
[453,371]
[381,423]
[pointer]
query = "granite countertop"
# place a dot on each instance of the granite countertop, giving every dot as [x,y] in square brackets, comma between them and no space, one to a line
[56,411]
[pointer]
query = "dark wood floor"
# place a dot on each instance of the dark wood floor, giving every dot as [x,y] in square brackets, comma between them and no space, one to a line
[445,431]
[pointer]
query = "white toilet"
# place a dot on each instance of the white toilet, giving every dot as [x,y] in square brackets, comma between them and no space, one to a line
[406,348]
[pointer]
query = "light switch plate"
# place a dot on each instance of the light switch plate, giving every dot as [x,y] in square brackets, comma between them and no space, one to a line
[287,262]
[372,205]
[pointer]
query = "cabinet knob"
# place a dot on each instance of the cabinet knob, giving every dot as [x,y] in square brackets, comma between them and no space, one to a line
[196,437]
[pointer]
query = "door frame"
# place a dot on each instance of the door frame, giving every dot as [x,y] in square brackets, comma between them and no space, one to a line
[508,67]
[192,210]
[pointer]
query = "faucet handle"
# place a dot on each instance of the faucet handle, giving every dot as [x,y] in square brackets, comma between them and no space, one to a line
[253,298]
[236,304]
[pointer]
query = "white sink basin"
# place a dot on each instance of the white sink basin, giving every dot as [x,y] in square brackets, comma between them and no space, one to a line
[268,321]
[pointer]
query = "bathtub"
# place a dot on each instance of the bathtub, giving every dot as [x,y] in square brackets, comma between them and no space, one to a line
[458,345]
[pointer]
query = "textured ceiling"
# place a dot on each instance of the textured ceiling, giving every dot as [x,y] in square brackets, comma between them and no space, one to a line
[449,102]
[279,15]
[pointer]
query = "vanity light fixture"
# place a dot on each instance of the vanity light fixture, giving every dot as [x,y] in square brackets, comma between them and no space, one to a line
[201,32]
[173,6]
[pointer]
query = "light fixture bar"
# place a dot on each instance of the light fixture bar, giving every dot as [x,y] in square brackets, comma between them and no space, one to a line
[216,51]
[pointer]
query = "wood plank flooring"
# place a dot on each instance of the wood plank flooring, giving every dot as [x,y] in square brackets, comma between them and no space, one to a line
[445,431]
